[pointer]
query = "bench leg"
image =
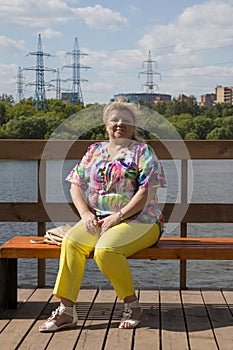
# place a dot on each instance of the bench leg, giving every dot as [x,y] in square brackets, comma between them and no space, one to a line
[8,278]
[3,289]
[12,283]
[183,270]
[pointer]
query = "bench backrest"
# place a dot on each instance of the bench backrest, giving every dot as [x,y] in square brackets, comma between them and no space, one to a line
[41,151]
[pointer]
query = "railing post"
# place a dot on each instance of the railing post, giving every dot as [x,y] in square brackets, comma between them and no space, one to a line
[41,228]
[183,225]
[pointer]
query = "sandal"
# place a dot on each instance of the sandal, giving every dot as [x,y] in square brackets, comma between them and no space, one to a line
[50,324]
[127,314]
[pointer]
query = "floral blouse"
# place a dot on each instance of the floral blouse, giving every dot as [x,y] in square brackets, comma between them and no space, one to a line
[109,185]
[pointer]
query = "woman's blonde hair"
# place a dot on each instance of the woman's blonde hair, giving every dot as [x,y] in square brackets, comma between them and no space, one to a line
[121,105]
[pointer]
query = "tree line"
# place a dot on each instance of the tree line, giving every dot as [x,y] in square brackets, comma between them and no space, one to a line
[23,121]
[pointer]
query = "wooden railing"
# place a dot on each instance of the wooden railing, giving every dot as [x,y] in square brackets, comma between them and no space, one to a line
[43,212]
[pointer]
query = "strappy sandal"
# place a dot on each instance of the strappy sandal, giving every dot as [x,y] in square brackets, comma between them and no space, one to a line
[50,326]
[127,315]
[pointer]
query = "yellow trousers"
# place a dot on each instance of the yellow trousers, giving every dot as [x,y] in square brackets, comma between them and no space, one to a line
[110,253]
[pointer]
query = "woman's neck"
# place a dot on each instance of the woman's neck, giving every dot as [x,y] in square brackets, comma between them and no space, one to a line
[120,143]
[117,145]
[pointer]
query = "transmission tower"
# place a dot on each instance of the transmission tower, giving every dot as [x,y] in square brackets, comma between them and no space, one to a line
[58,81]
[40,96]
[20,84]
[149,72]
[76,93]
[58,85]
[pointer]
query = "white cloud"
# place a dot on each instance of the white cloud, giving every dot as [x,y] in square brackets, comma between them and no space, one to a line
[98,86]
[202,26]
[9,46]
[124,59]
[44,13]
[134,8]
[188,49]
[192,49]
[50,33]
[30,13]
[8,78]
[101,18]
[6,69]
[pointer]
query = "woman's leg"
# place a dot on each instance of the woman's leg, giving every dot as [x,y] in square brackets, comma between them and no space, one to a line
[76,247]
[113,248]
[111,254]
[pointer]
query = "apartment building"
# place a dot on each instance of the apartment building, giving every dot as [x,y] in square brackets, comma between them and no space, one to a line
[224,94]
[141,96]
[207,100]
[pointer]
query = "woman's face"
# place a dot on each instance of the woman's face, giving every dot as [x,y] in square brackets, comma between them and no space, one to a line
[120,124]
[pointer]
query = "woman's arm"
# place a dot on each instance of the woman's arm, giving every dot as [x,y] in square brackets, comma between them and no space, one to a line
[134,206]
[78,199]
[85,213]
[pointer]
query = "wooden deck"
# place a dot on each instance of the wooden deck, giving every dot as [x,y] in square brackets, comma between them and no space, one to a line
[172,319]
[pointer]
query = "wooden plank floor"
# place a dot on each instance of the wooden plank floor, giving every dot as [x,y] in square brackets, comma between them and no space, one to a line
[192,319]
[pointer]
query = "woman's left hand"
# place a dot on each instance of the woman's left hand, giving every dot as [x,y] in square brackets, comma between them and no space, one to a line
[109,221]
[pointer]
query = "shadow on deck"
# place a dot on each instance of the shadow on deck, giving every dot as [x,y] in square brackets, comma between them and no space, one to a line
[172,319]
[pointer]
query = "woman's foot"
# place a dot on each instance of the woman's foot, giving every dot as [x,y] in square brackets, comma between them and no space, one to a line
[132,315]
[62,317]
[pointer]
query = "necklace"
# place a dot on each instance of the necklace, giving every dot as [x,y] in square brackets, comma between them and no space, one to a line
[113,150]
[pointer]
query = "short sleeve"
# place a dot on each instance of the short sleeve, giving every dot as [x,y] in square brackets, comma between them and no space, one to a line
[151,172]
[80,174]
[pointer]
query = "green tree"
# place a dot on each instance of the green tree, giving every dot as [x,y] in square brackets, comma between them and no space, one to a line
[191,136]
[183,123]
[71,109]
[27,128]
[161,108]
[216,134]
[227,110]
[3,133]
[223,129]
[3,113]
[23,108]
[188,105]
[53,120]
[219,110]
[202,126]
[7,98]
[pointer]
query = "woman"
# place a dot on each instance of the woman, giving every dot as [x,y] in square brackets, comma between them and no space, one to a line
[114,190]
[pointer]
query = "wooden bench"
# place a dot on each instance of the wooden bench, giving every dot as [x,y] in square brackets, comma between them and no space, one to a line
[166,249]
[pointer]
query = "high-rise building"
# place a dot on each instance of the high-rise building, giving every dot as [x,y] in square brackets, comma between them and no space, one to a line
[142,96]
[208,100]
[224,94]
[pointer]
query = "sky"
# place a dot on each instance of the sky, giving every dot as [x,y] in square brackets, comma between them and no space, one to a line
[191,45]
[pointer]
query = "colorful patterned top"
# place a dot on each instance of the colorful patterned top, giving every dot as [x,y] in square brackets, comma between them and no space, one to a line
[109,185]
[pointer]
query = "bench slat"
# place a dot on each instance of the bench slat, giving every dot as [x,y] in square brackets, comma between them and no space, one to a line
[190,248]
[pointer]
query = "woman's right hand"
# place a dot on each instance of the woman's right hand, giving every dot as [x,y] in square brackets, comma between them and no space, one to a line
[91,223]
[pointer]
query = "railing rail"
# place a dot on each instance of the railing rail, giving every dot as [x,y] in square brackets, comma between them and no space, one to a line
[42,150]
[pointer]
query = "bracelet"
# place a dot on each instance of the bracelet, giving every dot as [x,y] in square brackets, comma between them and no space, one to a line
[121,215]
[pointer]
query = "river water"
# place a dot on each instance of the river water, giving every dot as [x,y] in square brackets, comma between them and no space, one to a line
[209,181]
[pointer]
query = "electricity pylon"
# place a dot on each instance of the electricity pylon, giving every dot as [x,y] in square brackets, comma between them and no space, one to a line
[76,92]
[149,72]
[58,88]
[20,84]
[40,96]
